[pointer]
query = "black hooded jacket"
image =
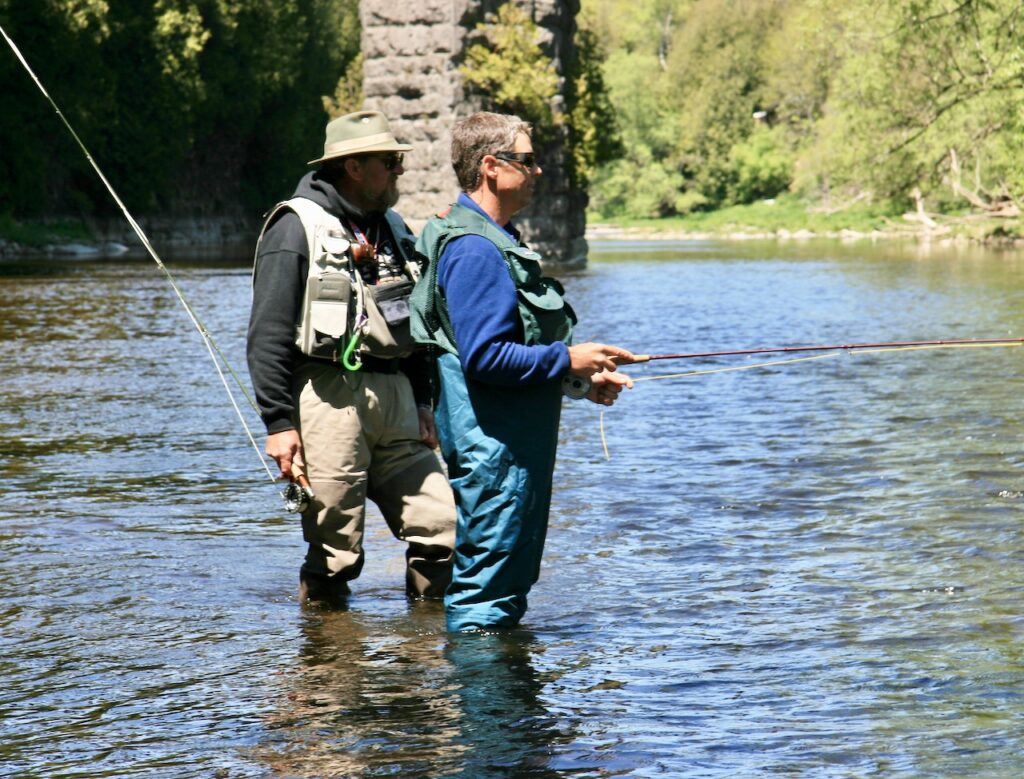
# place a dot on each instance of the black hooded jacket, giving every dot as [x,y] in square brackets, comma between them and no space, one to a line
[279,283]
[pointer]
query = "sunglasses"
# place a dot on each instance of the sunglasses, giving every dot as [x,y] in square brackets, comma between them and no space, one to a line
[522,157]
[390,161]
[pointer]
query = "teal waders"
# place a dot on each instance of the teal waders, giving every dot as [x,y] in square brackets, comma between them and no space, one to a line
[499,441]
[499,444]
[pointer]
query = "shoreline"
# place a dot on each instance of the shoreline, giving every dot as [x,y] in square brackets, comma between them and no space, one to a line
[186,239]
[108,250]
[172,237]
[600,231]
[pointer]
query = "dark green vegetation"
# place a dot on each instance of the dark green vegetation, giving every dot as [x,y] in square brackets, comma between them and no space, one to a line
[39,234]
[848,113]
[893,105]
[190,108]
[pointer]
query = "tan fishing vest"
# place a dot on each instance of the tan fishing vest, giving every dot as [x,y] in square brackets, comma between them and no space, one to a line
[339,310]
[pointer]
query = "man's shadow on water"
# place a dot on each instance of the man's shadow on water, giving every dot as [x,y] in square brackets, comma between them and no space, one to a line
[398,696]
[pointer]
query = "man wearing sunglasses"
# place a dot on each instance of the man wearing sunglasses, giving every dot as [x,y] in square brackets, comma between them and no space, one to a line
[344,396]
[503,333]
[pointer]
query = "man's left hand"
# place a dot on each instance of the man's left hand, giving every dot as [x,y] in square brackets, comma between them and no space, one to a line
[606,386]
[428,431]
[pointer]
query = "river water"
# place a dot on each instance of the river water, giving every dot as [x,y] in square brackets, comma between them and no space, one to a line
[804,569]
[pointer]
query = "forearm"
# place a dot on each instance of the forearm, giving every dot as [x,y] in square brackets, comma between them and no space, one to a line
[278,287]
[510,363]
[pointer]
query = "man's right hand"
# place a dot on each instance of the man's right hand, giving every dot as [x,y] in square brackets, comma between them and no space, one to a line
[286,449]
[587,359]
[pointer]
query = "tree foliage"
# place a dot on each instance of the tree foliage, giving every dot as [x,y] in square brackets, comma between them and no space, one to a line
[190,106]
[593,128]
[668,106]
[728,101]
[509,70]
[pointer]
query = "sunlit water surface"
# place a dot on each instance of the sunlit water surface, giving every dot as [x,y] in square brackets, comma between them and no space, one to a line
[806,569]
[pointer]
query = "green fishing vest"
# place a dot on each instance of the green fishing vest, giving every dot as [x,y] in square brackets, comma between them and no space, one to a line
[545,315]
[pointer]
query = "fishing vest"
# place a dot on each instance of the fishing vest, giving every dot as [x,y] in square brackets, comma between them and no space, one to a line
[339,310]
[545,315]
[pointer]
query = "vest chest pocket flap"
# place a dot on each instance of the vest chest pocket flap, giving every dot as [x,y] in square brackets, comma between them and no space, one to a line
[393,301]
[330,295]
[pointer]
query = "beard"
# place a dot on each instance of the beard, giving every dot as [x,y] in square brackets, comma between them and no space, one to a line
[382,201]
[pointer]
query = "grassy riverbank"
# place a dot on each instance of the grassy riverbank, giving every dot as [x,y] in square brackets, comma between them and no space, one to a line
[37,235]
[172,236]
[787,217]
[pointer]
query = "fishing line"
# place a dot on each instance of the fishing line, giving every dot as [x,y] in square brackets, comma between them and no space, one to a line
[910,346]
[211,345]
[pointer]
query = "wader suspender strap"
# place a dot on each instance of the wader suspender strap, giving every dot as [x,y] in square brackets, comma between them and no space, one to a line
[405,243]
[437,306]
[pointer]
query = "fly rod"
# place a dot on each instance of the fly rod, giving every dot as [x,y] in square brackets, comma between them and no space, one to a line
[638,358]
[297,493]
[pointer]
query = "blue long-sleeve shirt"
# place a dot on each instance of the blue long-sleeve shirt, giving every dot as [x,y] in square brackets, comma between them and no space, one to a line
[484,311]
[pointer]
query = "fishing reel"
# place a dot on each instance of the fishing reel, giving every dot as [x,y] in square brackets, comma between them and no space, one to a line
[298,494]
[296,498]
[575,387]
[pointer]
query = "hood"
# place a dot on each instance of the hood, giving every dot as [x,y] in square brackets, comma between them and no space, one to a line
[322,192]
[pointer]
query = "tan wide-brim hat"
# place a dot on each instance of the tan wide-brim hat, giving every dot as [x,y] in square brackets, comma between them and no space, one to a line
[359,133]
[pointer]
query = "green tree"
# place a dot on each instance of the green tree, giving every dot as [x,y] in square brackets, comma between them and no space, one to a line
[190,106]
[925,91]
[594,137]
[761,166]
[63,43]
[686,78]
[645,181]
[717,57]
[509,70]
[348,94]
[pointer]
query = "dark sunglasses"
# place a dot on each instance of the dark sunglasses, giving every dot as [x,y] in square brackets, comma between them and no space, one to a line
[522,157]
[390,161]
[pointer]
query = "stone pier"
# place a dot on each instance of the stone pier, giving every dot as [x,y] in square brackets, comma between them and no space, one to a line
[412,51]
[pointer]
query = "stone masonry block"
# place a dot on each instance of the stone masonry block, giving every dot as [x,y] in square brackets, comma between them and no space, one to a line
[421,12]
[415,40]
[426,65]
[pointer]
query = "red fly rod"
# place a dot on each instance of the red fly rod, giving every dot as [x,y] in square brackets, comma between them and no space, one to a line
[827,348]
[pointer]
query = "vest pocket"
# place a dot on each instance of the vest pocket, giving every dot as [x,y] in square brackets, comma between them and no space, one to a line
[328,322]
[387,314]
[329,317]
[393,300]
[546,316]
[542,297]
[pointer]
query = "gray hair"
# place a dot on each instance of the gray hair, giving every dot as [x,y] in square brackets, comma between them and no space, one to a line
[478,135]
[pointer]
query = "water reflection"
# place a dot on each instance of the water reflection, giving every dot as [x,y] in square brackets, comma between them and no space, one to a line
[367,698]
[504,725]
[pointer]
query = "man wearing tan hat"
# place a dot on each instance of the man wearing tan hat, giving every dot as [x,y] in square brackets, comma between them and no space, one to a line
[345,398]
